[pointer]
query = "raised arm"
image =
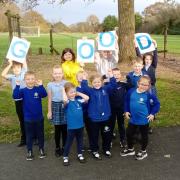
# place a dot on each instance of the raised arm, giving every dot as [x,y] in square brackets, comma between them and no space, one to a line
[84,96]
[4,73]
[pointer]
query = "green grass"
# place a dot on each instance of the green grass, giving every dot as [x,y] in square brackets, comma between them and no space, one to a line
[168,92]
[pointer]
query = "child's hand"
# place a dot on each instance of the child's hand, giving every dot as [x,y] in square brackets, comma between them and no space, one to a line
[150,117]
[127,115]
[49,115]
[85,75]
[10,62]
[18,83]
[38,82]
[110,73]
[135,43]
[155,43]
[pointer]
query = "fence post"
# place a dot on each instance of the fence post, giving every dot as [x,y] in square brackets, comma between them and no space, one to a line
[165,40]
[18,25]
[51,41]
[8,14]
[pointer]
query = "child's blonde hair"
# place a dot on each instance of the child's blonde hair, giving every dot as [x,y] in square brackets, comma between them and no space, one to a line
[145,77]
[68,86]
[137,60]
[29,73]
[94,76]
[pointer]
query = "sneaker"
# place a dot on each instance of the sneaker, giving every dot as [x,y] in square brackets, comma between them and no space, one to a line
[127,152]
[66,161]
[96,155]
[81,158]
[107,154]
[58,152]
[41,154]
[141,155]
[29,156]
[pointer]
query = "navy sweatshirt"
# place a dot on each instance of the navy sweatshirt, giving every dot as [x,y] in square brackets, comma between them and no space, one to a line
[32,106]
[99,105]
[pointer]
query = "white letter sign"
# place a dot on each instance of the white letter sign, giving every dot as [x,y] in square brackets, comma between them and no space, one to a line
[144,42]
[85,50]
[18,49]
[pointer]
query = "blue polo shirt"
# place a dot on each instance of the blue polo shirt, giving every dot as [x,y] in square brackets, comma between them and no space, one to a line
[74,114]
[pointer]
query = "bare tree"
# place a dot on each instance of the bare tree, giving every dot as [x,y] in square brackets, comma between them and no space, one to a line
[93,22]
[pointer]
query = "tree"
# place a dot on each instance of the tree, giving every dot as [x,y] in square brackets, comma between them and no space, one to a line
[126,30]
[109,23]
[93,22]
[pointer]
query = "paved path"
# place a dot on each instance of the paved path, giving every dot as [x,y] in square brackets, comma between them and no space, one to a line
[163,162]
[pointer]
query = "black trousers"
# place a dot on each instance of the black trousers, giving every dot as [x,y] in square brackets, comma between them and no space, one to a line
[117,114]
[104,128]
[131,131]
[60,130]
[19,111]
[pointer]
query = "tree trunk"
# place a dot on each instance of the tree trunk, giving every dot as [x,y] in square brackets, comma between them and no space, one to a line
[126,30]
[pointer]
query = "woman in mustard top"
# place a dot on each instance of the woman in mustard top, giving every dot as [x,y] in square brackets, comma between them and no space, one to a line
[70,66]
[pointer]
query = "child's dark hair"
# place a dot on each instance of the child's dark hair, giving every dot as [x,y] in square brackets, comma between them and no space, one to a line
[145,55]
[15,63]
[116,69]
[68,86]
[64,52]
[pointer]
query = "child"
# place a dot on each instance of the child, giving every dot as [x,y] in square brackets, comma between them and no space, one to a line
[105,60]
[32,109]
[56,108]
[19,71]
[79,76]
[154,56]
[69,66]
[99,112]
[117,96]
[75,122]
[150,70]
[134,76]
[140,108]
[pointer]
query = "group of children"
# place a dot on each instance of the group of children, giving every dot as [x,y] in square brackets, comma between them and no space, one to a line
[74,101]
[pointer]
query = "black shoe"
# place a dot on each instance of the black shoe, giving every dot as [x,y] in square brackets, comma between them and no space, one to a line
[66,161]
[141,155]
[41,154]
[21,144]
[81,158]
[107,154]
[96,155]
[58,152]
[127,152]
[29,156]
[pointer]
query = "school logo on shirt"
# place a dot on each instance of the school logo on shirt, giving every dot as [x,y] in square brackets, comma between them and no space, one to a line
[104,92]
[151,101]
[36,95]
[106,129]
[141,101]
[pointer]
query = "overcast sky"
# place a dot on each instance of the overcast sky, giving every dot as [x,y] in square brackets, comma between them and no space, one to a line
[77,10]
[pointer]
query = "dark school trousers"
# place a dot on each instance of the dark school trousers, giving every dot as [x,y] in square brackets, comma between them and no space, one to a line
[34,129]
[87,127]
[60,130]
[131,131]
[104,128]
[19,112]
[117,114]
[71,134]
